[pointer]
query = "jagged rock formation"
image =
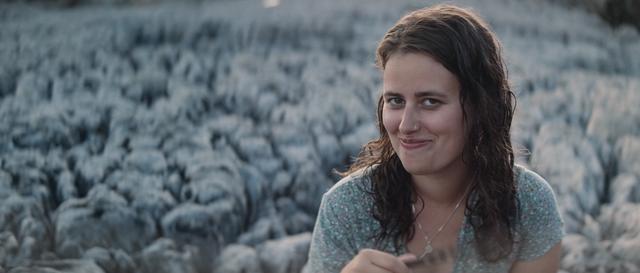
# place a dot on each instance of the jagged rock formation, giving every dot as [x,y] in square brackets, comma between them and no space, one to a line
[199,137]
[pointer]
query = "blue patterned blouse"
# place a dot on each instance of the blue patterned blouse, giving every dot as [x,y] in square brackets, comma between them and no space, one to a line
[345,225]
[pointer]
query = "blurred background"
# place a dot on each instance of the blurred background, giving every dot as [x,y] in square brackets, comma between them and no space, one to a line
[199,136]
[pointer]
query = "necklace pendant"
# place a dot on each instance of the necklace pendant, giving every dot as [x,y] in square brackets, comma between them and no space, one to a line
[428,249]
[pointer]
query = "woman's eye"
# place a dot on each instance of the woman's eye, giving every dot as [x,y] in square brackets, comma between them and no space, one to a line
[394,101]
[430,102]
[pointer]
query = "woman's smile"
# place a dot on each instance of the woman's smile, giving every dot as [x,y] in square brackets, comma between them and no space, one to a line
[422,114]
[414,143]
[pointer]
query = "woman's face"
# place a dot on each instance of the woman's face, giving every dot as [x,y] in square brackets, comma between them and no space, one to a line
[422,114]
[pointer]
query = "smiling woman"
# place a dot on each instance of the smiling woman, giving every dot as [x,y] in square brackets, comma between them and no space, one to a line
[444,118]
[422,114]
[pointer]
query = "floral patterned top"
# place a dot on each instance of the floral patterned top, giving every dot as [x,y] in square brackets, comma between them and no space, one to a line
[345,225]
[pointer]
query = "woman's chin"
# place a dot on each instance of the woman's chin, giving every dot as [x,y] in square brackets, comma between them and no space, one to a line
[415,168]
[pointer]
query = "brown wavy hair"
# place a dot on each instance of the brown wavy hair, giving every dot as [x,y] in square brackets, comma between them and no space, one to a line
[465,45]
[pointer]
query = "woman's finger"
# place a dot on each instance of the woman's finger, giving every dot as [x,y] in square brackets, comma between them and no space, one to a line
[375,261]
[408,258]
[387,261]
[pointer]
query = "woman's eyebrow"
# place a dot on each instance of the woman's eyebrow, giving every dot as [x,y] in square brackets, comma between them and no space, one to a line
[391,94]
[430,93]
[419,94]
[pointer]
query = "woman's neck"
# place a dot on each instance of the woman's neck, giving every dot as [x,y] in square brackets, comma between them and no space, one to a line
[443,189]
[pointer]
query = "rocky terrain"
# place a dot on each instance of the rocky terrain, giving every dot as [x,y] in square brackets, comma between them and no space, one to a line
[156,136]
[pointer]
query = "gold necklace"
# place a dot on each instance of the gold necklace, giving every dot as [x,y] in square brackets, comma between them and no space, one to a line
[428,248]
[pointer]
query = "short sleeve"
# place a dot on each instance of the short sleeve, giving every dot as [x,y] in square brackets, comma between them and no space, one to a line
[541,226]
[330,249]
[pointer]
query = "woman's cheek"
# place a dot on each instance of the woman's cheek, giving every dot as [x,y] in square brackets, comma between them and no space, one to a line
[389,121]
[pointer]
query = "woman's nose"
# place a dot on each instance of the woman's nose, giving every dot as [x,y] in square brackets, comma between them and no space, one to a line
[409,122]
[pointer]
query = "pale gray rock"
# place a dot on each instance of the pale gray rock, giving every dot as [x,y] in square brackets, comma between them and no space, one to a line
[129,183]
[565,100]
[266,228]
[8,78]
[216,181]
[98,220]
[216,186]
[60,266]
[65,187]
[295,156]
[258,98]
[186,145]
[615,12]
[626,250]
[146,161]
[24,220]
[256,186]
[62,88]
[628,154]
[294,220]
[580,171]
[101,257]
[29,249]
[254,147]
[219,162]
[21,160]
[186,102]
[32,183]
[32,88]
[281,184]
[591,229]
[144,142]
[152,202]
[42,133]
[5,185]
[353,141]
[329,149]
[35,237]
[607,245]
[286,135]
[288,254]
[237,258]
[189,67]
[614,115]
[54,162]
[233,127]
[150,84]
[191,223]
[620,220]
[163,256]
[265,103]
[111,261]
[288,113]
[577,249]
[625,187]
[308,186]
[8,249]
[87,117]
[339,113]
[173,184]
[92,171]
[588,256]
[6,143]
[119,133]
[257,151]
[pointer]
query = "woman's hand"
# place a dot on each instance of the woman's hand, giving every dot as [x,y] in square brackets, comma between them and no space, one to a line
[375,261]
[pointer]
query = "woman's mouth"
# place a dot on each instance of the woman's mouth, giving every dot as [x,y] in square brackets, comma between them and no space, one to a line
[410,144]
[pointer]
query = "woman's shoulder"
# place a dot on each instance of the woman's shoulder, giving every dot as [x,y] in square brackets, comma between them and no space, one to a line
[537,203]
[351,188]
[347,207]
[530,186]
[539,221]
